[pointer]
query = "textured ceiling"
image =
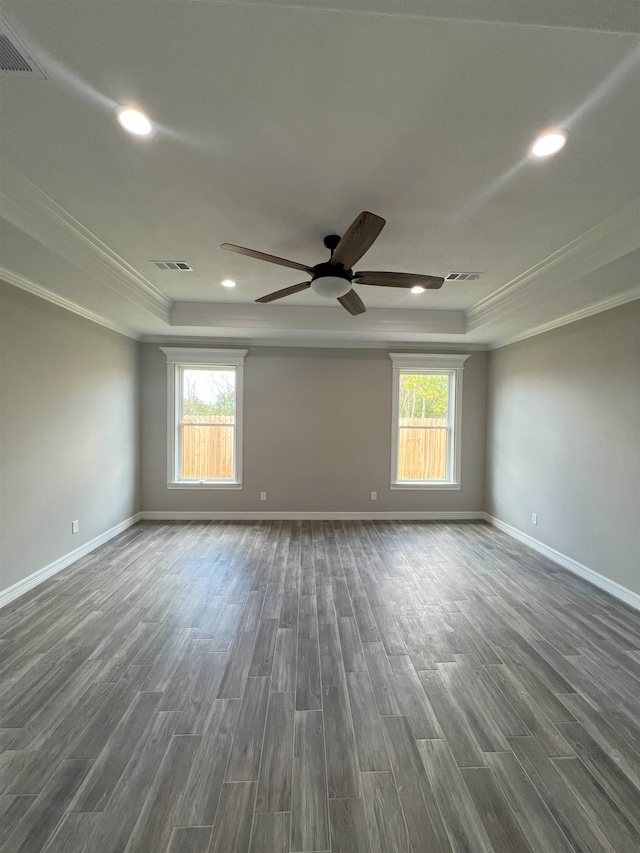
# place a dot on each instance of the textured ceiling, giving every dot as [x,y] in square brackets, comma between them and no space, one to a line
[278,124]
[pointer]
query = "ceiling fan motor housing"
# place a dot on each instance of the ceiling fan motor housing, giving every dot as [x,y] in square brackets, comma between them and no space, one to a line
[331,280]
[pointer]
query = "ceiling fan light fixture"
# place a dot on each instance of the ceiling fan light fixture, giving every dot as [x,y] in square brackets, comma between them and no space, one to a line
[228,283]
[331,286]
[549,143]
[334,279]
[134,121]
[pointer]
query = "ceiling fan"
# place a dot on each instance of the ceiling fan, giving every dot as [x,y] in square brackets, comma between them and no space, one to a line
[334,278]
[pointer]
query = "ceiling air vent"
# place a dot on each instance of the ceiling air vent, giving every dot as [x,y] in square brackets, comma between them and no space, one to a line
[463,276]
[180,266]
[10,57]
[15,62]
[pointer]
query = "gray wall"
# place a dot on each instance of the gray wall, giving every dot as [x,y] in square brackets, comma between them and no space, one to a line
[69,432]
[564,441]
[317,436]
[563,437]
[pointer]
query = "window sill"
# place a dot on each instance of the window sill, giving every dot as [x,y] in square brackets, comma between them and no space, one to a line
[202,484]
[425,485]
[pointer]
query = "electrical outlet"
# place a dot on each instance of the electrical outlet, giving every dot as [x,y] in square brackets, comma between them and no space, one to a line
[75,526]
[374,496]
[263,496]
[534,518]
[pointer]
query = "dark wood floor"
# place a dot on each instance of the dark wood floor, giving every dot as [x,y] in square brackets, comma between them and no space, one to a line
[348,687]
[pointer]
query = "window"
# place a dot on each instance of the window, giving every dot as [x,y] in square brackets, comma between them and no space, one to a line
[204,395]
[427,393]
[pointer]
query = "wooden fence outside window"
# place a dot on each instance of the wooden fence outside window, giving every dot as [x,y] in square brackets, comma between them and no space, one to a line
[422,448]
[207,451]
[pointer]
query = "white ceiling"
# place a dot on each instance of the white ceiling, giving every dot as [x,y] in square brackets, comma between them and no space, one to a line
[279,122]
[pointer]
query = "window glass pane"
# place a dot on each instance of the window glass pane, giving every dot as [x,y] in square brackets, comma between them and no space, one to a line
[208,417]
[423,402]
[424,395]
[207,452]
[422,454]
[208,396]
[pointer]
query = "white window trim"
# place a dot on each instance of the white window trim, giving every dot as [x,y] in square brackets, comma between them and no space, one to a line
[452,363]
[180,357]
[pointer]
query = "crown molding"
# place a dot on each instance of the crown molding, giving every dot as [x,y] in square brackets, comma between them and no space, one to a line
[24,205]
[607,241]
[581,314]
[309,343]
[23,283]
[618,17]
[277,317]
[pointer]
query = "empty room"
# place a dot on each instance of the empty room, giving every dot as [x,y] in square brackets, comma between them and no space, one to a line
[319,426]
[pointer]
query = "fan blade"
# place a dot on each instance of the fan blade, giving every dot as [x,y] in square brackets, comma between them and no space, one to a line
[352,302]
[357,239]
[399,279]
[261,256]
[286,291]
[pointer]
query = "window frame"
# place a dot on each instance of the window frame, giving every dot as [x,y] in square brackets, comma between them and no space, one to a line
[179,358]
[451,364]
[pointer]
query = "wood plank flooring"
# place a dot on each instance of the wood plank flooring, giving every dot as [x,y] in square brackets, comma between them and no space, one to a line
[318,687]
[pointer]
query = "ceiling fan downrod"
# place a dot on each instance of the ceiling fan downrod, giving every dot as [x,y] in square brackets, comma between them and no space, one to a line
[331,241]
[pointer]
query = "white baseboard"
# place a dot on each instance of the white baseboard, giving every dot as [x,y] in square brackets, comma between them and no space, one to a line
[595,578]
[169,515]
[11,593]
[617,590]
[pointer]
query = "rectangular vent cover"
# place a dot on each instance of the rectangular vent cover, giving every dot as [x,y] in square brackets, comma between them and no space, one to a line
[181,266]
[15,62]
[463,276]
[10,58]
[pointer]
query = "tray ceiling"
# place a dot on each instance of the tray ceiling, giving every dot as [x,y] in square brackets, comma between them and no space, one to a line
[277,124]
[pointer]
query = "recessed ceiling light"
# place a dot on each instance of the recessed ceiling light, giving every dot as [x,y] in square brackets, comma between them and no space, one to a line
[417,288]
[548,143]
[134,121]
[228,283]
